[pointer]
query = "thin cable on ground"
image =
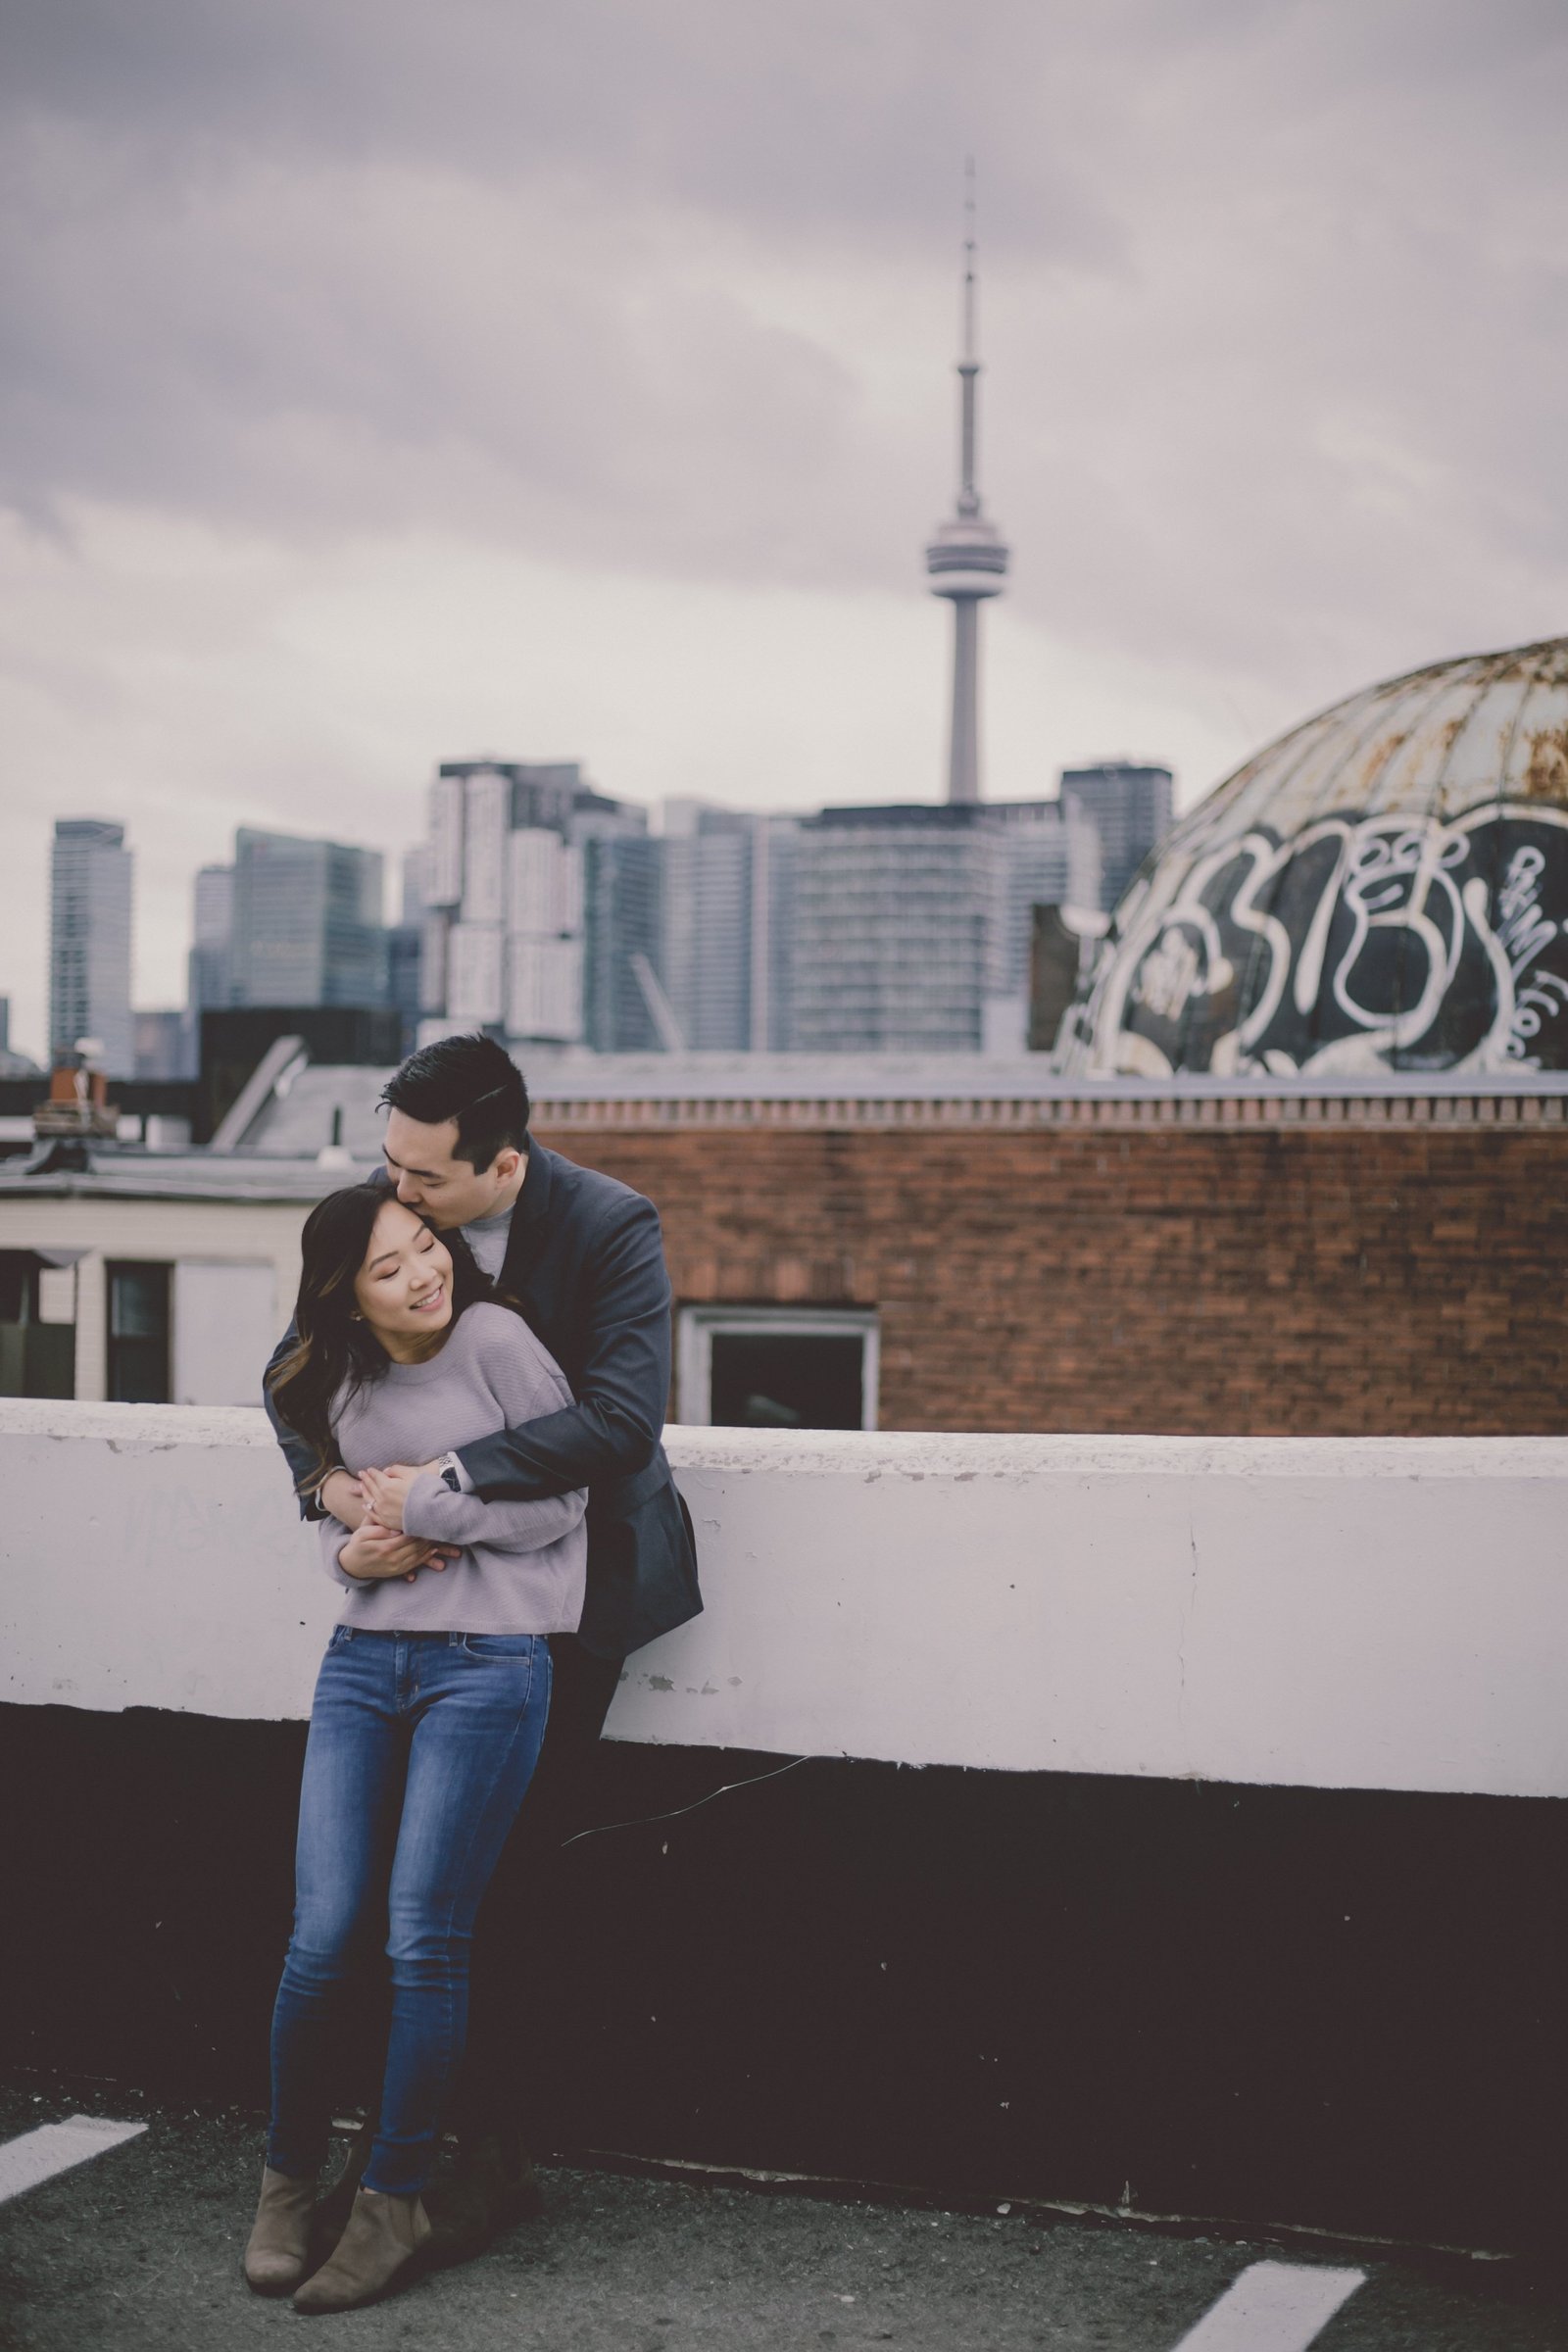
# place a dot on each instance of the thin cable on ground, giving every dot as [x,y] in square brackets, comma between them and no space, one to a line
[647,1821]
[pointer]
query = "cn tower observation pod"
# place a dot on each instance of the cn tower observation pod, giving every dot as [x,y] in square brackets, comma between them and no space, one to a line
[966,557]
[1383,889]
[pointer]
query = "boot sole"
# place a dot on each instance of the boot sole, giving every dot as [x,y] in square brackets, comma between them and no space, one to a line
[283,2286]
[407,2274]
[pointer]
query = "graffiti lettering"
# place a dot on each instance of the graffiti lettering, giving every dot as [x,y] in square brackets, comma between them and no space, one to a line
[1541,1001]
[1360,944]
[1522,930]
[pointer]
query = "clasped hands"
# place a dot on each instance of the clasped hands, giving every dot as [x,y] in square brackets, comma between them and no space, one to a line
[370,1506]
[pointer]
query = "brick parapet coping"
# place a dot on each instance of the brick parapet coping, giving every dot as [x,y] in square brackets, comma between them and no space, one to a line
[1283,1109]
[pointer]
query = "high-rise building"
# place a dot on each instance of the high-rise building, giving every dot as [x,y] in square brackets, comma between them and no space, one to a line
[911,921]
[503,890]
[89,942]
[967,560]
[13,1064]
[166,1044]
[705,959]
[544,913]
[622,935]
[1131,808]
[688,940]
[416,863]
[309,924]
[775,841]
[210,967]
[405,947]
[1052,858]
[896,949]
[405,959]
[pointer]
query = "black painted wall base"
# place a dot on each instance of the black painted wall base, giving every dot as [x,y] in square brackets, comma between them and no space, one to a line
[1342,2010]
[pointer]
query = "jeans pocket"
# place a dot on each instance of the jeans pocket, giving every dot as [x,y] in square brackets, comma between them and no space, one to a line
[515,1649]
[338,1635]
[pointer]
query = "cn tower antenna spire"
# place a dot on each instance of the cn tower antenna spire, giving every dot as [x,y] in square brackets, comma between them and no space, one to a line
[967,561]
[970,364]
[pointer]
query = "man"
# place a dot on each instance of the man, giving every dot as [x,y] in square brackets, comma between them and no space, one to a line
[582,1255]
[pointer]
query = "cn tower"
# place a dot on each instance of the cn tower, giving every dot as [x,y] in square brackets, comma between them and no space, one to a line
[967,560]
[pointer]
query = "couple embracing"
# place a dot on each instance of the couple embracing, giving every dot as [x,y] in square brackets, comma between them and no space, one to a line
[470,1400]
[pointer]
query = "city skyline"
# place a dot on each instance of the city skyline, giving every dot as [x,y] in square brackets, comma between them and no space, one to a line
[550,914]
[210,974]
[295,507]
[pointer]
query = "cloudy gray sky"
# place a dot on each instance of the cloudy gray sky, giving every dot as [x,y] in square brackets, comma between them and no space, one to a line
[572,378]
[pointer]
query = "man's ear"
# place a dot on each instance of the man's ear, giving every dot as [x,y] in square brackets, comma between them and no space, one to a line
[507,1162]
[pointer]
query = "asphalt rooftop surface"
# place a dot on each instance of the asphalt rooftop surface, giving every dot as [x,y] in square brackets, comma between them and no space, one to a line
[140,2247]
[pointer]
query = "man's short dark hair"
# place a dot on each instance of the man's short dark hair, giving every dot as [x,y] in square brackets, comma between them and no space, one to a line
[470,1079]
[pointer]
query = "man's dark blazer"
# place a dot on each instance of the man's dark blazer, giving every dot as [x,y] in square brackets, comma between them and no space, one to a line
[585,1262]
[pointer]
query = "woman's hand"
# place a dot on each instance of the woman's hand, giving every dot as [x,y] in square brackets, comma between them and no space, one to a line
[373,1554]
[387,1491]
[341,1494]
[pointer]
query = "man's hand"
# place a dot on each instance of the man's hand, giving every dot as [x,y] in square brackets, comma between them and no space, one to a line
[375,1554]
[342,1495]
[387,1491]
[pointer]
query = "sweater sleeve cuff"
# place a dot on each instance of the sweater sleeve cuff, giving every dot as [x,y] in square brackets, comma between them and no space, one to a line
[332,1537]
[421,1510]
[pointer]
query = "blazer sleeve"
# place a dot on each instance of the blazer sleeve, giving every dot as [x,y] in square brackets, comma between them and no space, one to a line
[527,1384]
[300,1457]
[614,1426]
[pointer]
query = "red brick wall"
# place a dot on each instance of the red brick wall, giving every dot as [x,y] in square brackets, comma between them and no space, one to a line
[1289,1280]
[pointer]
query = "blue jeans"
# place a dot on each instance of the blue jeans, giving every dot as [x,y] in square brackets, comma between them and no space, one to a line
[420,1749]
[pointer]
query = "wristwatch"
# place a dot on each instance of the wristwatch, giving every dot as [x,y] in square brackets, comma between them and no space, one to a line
[448,1472]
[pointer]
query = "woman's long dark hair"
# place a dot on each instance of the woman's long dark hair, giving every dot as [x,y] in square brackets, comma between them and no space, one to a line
[333,1346]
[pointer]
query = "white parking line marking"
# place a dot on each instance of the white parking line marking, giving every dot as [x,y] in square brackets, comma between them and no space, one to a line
[56,2147]
[1272,2307]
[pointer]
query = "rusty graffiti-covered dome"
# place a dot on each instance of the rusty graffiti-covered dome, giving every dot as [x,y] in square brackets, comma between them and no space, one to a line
[1384,887]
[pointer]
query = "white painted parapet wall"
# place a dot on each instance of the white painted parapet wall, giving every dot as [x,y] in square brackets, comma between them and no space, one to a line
[1376,1613]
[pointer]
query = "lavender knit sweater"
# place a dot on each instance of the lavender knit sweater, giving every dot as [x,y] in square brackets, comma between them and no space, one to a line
[523,1564]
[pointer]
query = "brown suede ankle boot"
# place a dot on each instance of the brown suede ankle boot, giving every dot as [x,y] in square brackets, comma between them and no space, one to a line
[279,2243]
[384,2233]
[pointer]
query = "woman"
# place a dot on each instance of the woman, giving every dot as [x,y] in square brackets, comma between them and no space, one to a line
[428,1712]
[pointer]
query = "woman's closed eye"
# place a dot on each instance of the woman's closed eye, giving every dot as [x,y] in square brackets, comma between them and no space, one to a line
[388,1273]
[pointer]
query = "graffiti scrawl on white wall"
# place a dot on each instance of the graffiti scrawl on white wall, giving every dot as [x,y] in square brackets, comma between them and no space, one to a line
[1360,944]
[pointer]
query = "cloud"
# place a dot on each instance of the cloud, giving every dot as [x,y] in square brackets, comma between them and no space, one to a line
[651,286]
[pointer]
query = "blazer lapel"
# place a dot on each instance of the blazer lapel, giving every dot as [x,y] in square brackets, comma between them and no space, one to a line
[529,1222]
